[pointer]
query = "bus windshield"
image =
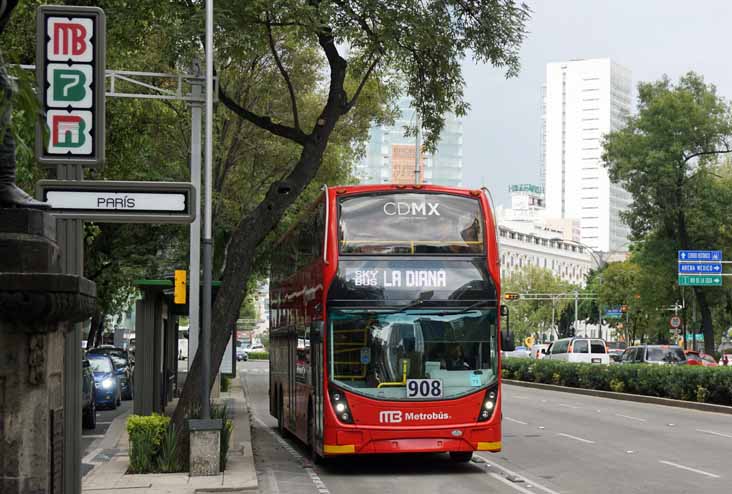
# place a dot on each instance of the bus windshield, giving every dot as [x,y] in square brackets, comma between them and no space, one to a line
[374,353]
[410,224]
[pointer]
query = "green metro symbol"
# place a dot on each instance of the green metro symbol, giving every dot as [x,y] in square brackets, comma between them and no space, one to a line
[69,85]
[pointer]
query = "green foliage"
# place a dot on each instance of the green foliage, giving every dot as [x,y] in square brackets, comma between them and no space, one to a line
[668,157]
[168,458]
[221,412]
[259,356]
[689,383]
[147,434]
[225,383]
[532,316]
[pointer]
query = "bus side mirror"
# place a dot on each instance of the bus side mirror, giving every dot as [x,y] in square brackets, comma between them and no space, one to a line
[316,332]
[507,343]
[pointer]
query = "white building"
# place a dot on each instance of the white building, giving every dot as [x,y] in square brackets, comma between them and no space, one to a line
[565,260]
[583,101]
[527,237]
[391,157]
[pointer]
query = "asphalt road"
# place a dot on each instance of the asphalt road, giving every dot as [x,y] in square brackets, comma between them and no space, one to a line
[90,438]
[283,469]
[554,443]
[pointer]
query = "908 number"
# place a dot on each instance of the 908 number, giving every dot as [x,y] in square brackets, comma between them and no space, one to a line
[424,388]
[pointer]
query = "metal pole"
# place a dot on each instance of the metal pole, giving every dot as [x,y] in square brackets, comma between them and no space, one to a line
[207,242]
[70,239]
[554,305]
[417,152]
[576,303]
[194,286]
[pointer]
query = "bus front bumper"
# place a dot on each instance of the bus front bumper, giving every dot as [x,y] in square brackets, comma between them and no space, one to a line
[377,441]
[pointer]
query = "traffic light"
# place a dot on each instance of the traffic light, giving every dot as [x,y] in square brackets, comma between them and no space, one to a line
[512,296]
[179,295]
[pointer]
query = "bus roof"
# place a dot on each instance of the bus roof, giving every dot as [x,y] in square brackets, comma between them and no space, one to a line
[356,189]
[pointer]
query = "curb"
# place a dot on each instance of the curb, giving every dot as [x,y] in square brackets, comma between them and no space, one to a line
[691,405]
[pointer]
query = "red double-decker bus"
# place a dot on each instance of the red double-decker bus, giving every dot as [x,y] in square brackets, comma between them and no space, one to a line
[385,314]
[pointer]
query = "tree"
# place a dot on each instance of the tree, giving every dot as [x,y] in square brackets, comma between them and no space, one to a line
[665,157]
[535,317]
[412,45]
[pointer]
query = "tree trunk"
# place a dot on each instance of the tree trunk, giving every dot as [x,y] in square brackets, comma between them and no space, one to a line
[706,313]
[95,330]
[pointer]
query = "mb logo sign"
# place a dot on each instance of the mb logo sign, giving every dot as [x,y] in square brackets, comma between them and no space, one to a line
[71,70]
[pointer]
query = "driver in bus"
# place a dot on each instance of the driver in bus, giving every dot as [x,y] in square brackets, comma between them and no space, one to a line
[455,358]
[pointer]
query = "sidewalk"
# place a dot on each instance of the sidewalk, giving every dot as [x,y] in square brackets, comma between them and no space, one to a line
[240,474]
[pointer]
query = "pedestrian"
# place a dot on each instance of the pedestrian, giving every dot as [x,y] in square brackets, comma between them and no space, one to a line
[725,360]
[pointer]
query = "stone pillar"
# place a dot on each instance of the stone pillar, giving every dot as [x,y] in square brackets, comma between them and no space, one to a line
[38,306]
[205,446]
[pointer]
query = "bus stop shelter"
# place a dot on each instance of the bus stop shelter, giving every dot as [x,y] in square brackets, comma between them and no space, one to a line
[156,345]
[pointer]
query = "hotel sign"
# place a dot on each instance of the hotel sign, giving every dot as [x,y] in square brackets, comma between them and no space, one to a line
[70,64]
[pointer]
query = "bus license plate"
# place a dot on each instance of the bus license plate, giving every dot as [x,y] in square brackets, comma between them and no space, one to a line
[424,388]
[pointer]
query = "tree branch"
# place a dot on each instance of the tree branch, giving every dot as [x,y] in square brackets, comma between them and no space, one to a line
[706,153]
[285,75]
[366,76]
[266,123]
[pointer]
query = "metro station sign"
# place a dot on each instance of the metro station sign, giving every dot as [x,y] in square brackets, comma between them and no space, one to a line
[70,64]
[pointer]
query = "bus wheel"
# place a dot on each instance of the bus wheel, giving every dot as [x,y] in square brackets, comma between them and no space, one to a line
[461,456]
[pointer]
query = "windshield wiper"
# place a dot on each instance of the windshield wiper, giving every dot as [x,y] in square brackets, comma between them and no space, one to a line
[411,305]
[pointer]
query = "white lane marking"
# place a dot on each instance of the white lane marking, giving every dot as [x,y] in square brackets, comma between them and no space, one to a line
[92,436]
[513,485]
[689,469]
[568,406]
[272,480]
[93,454]
[516,421]
[711,432]
[575,438]
[518,475]
[631,418]
[317,482]
[520,397]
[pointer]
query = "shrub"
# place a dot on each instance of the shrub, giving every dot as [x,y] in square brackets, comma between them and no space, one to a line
[221,412]
[691,383]
[225,383]
[259,356]
[146,433]
[168,459]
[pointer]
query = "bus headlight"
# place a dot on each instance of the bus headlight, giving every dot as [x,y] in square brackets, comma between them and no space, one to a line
[489,404]
[340,405]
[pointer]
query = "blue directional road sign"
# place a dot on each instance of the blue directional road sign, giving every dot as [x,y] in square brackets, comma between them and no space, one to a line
[700,268]
[700,255]
[613,313]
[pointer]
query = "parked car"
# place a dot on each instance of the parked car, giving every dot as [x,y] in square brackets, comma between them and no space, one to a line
[255,347]
[108,392]
[536,350]
[124,375]
[241,354]
[129,356]
[698,358]
[654,354]
[615,349]
[88,398]
[586,350]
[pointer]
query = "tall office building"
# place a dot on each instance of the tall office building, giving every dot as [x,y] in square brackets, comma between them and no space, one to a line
[391,157]
[583,101]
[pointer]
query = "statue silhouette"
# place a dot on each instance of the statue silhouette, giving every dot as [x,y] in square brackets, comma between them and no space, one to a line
[10,194]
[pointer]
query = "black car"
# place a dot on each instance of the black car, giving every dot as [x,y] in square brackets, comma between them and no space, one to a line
[88,396]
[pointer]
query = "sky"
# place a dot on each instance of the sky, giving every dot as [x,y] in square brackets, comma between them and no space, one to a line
[501,133]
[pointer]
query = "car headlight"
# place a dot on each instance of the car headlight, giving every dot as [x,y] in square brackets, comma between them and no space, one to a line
[107,383]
